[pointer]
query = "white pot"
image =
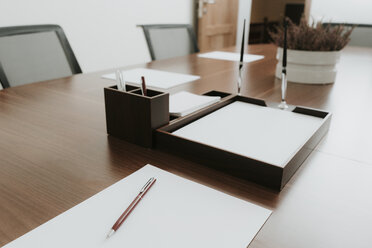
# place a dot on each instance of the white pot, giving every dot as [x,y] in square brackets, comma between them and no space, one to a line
[309,67]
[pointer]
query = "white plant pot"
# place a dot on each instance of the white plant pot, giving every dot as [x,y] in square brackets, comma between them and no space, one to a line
[309,67]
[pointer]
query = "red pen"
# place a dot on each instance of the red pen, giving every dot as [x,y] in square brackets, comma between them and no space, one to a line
[144,90]
[134,203]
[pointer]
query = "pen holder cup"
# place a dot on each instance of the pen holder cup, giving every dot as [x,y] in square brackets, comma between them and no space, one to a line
[134,117]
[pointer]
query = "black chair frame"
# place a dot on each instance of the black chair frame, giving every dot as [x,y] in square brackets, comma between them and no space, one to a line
[19,30]
[146,29]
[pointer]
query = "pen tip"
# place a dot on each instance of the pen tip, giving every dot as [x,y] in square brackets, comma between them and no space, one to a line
[110,233]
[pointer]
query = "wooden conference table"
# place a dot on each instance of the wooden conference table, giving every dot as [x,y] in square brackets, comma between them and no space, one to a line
[55,153]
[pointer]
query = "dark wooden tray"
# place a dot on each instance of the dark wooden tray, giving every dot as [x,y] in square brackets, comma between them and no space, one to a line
[263,173]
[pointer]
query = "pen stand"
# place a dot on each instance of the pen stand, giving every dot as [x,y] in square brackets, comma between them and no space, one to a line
[134,117]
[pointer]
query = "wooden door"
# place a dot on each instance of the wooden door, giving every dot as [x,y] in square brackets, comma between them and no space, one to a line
[217,23]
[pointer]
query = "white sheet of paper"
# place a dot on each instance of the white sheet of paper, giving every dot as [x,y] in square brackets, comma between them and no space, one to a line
[154,78]
[265,134]
[175,212]
[231,56]
[183,103]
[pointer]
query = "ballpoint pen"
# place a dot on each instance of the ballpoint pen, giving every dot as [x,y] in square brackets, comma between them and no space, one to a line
[120,80]
[130,208]
[144,90]
[241,61]
[283,104]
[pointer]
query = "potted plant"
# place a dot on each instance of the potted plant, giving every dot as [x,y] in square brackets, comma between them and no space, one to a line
[313,51]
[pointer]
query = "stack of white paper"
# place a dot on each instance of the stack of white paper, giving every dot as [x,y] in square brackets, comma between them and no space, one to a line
[154,78]
[266,134]
[174,213]
[231,56]
[184,103]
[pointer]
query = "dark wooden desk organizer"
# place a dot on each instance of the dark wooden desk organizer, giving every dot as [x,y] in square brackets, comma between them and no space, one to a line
[134,117]
[244,167]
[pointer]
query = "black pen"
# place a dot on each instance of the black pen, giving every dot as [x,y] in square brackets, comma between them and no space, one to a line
[241,60]
[283,104]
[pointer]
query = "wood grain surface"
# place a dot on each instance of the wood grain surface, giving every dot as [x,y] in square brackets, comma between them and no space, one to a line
[217,26]
[55,153]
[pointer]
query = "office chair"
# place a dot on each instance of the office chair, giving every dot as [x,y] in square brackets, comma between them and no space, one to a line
[361,35]
[170,40]
[35,53]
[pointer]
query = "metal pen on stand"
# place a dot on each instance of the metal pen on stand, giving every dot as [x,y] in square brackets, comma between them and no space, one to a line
[241,61]
[283,104]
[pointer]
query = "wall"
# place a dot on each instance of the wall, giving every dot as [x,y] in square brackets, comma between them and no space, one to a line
[244,12]
[356,11]
[102,33]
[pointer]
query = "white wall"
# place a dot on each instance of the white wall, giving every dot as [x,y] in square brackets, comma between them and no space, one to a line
[349,11]
[102,33]
[244,12]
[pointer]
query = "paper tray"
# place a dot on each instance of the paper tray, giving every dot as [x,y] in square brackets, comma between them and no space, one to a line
[268,165]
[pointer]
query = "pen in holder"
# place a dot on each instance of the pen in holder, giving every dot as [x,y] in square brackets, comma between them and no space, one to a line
[120,80]
[241,61]
[283,103]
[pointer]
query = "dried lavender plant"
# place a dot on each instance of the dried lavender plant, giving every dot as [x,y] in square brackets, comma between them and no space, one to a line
[314,37]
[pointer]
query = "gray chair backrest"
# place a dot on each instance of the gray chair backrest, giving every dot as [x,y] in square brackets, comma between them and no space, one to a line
[35,53]
[170,40]
[361,35]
